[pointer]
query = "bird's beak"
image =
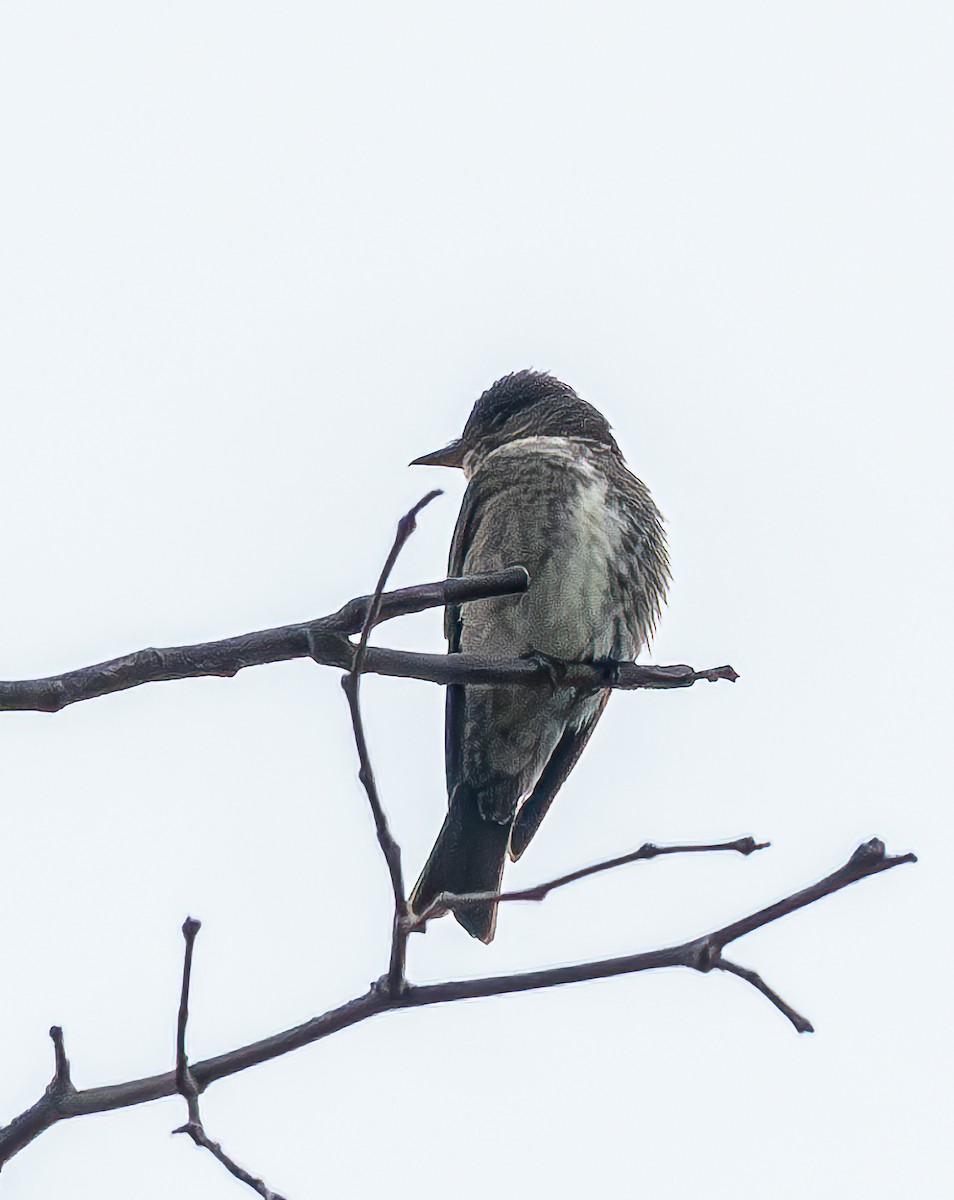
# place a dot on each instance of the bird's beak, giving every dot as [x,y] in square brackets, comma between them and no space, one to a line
[451,456]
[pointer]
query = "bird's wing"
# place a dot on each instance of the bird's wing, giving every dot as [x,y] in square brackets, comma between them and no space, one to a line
[561,763]
[454,700]
[488,537]
[455,567]
[642,571]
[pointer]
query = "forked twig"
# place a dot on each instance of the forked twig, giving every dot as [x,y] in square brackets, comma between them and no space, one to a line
[186,1084]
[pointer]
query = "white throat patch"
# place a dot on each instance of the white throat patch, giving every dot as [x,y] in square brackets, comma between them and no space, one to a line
[552,447]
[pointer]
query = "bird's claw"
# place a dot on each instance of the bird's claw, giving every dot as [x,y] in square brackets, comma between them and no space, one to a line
[609,670]
[556,668]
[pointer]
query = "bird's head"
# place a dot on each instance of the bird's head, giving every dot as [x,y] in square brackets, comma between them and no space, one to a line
[521,405]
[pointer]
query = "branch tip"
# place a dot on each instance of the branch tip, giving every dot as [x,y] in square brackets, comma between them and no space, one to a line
[868,854]
[408,523]
[748,845]
[801,1024]
[872,854]
[61,1081]
[713,675]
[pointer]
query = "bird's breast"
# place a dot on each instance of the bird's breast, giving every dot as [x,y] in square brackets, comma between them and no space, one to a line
[547,505]
[573,605]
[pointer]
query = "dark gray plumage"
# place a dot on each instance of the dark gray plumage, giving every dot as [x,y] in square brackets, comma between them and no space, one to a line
[549,490]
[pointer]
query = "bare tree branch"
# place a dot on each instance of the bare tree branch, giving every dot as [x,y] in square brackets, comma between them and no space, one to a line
[351,685]
[326,641]
[325,635]
[473,668]
[701,954]
[448,901]
[186,1085]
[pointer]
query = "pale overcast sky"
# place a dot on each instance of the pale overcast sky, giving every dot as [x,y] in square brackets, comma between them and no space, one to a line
[255,258]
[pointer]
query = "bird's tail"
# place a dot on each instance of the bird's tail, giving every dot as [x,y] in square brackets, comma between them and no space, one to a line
[468,856]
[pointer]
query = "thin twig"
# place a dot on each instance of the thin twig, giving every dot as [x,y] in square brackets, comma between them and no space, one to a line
[702,954]
[802,1024]
[448,901]
[186,1084]
[351,684]
[406,526]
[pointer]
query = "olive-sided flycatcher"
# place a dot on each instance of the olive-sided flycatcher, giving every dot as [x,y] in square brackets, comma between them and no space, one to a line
[547,489]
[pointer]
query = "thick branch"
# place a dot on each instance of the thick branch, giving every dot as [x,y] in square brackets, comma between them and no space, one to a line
[327,635]
[326,641]
[702,954]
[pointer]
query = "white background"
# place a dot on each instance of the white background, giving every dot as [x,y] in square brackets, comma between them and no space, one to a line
[255,258]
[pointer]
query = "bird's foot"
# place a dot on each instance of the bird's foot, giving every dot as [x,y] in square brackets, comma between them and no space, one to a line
[606,672]
[609,670]
[556,668]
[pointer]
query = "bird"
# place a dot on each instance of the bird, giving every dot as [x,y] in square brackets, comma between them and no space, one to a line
[547,489]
